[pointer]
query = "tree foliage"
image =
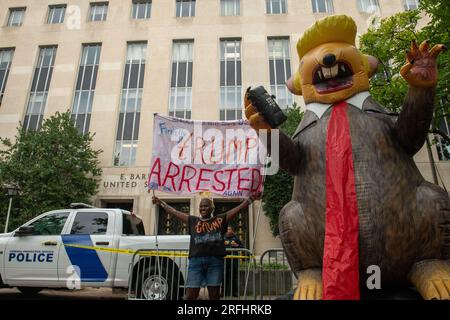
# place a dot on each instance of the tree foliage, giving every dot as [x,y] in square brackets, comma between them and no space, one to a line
[278,187]
[52,168]
[389,40]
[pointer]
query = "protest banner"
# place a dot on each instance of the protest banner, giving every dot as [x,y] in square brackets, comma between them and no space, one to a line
[190,156]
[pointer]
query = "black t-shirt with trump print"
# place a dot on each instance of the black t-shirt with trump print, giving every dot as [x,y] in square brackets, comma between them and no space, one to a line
[207,236]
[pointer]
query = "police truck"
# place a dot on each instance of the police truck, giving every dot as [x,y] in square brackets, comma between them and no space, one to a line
[84,246]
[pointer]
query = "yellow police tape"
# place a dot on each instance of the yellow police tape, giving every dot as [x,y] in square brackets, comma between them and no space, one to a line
[159,253]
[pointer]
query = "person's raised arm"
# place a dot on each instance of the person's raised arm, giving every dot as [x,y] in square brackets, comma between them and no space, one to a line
[244,204]
[183,217]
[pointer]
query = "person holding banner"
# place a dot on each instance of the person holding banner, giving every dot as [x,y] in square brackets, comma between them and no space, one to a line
[207,247]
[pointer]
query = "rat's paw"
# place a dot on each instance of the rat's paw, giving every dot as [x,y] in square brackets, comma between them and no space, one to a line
[436,289]
[309,286]
[420,69]
[309,292]
[432,279]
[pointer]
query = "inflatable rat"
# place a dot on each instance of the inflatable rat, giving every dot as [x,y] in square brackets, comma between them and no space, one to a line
[358,198]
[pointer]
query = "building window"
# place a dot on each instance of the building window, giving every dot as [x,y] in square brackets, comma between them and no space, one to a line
[240,223]
[230,79]
[443,146]
[141,9]
[368,6]
[185,8]
[98,11]
[85,87]
[169,225]
[325,6]
[411,4]
[5,64]
[39,88]
[280,70]
[130,105]
[180,102]
[56,14]
[15,18]
[275,6]
[230,7]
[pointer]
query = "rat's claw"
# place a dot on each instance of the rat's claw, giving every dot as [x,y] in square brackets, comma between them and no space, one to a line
[436,50]
[424,47]
[410,57]
[309,285]
[414,48]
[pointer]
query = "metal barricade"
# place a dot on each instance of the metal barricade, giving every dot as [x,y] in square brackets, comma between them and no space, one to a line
[276,280]
[239,279]
[162,274]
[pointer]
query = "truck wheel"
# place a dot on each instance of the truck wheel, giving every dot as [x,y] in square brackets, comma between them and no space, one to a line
[155,286]
[29,290]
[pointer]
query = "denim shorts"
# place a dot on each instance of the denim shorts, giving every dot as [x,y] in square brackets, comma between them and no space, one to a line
[205,271]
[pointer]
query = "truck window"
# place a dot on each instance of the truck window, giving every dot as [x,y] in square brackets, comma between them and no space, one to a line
[90,223]
[51,224]
[132,225]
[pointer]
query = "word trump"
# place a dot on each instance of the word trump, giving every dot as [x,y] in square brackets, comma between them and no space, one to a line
[213,147]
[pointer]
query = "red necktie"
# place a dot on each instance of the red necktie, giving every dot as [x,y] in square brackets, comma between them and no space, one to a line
[340,271]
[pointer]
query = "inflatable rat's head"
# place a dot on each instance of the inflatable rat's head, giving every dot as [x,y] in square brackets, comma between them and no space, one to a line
[331,68]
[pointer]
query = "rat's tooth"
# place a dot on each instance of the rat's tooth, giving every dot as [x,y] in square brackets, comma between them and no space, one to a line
[320,75]
[334,70]
[326,72]
[342,66]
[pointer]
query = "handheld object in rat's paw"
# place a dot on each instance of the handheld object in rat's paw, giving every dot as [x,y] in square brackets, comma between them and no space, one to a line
[266,106]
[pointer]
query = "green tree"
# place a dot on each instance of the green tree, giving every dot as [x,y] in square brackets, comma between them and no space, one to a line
[389,40]
[52,167]
[278,187]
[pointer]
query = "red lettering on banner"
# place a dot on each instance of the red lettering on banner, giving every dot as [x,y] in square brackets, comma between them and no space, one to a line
[256,171]
[242,179]
[182,146]
[216,179]
[230,176]
[213,151]
[248,146]
[157,172]
[199,147]
[200,179]
[186,180]
[237,147]
[171,176]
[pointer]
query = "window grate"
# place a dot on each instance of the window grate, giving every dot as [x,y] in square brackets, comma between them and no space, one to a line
[15,18]
[85,87]
[6,56]
[230,79]
[56,14]
[130,105]
[280,70]
[141,9]
[39,88]
[180,101]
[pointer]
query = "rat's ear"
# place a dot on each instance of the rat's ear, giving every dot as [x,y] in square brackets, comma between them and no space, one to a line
[371,64]
[294,84]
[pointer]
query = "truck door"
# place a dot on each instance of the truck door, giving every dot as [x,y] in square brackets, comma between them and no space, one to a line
[89,233]
[31,260]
